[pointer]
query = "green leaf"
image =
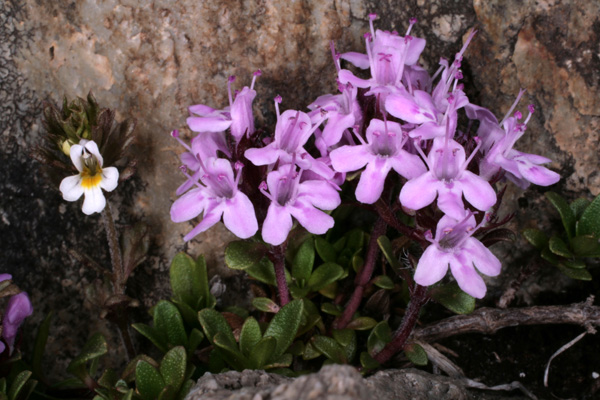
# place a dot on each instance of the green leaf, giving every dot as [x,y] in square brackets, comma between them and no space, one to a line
[330,348]
[265,304]
[589,223]
[453,298]
[576,263]
[94,348]
[379,337]
[368,362]
[128,374]
[362,324]
[17,384]
[230,351]
[304,260]
[213,322]
[250,335]
[325,275]
[189,314]
[416,354]
[325,250]
[169,324]
[196,337]
[537,238]
[27,389]
[566,214]
[579,274]
[347,339]
[310,352]
[299,293]
[168,393]
[148,381]
[108,379]
[262,352]
[185,389]
[189,281]
[356,239]
[331,309]
[547,255]
[284,326]
[153,335]
[559,247]
[173,366]
[41,338]
[242,254]
[586,246]
[388,251]
[578,206]
[282,362]
[263,271]
[384,282]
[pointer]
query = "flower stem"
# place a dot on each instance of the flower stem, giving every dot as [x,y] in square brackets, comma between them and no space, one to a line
[278,258]
[418,299]
[115,250]
[364,276]
[119,280]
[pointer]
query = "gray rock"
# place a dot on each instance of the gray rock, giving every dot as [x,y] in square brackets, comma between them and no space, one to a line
[333,382]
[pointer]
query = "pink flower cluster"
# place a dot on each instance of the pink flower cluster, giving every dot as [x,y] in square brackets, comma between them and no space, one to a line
[413,131]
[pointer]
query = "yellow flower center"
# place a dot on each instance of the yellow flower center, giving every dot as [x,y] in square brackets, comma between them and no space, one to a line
[90,179]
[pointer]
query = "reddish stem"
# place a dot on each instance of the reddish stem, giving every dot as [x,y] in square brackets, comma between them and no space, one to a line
[364,276]
[418,299]
[278,258]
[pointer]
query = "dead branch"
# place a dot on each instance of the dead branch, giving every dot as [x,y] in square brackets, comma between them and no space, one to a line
[489,320]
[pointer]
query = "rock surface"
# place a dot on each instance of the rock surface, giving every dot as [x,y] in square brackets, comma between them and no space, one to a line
[150,60]
[334,382]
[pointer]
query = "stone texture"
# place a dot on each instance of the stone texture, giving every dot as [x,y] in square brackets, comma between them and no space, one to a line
[334,382]
[150,60]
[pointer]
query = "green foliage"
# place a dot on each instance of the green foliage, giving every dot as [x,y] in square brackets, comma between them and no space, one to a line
[255,349]
[577,240]
[453,298]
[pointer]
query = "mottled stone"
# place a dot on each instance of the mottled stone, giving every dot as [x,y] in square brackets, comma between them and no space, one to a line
[334,382]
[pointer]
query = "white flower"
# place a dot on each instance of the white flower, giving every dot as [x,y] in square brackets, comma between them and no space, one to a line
[92,178]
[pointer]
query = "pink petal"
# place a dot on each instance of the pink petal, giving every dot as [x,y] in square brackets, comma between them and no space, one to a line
[264,156]
[320,194]
[428,130]
[336,125]
[537,174]
[467,278]
[350,158]
[208,124]
[357,59]
[346,76]
[201,110]
[277,225]
[188,206]
[408,165]
[239,216]
[485,261]
[477,191]
[450,200]
[212,215]
[314,220]
[419,192]
[415,48]
[432,266]
[370,185]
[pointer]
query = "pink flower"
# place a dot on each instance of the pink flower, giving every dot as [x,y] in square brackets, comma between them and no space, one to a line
[448,180]
[387,54]
[19,307]
[238,116]
[455,247]
[301,200]
[382,152]
[217,196]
